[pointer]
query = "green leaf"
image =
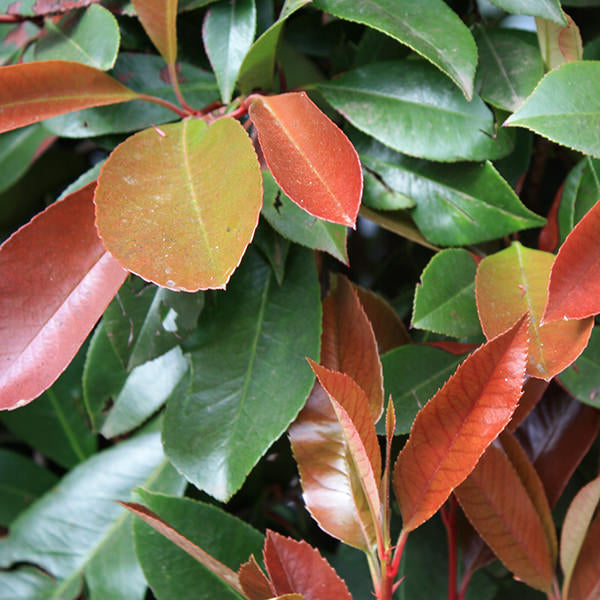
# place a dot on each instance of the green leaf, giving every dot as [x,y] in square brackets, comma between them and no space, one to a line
[413,108]
[429,27]
[547,9]
[510,66]
[13,36]
[147,74]
[78,530]
[228,32]
[297,225]
[21,482]
[28,583]
[32,8]
[89,36]
[379,195]
[249,376]
[273,247]
[445,298]
[173,574]
[555,112]
[412,375]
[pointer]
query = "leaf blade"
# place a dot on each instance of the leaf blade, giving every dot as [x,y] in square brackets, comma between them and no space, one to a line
[159,19]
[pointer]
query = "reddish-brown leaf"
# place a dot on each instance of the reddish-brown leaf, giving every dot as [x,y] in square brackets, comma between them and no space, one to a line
[254,582]
[35,91]
[549,235]
[311,159]
[452,431]
[46,7]
[179,209]
[296,567]
[499,507]
[158,18]
[514,281]
[585,583]
[533,390]
[474,552]
[574,291]
[456,348]
[348,343]
[56,279]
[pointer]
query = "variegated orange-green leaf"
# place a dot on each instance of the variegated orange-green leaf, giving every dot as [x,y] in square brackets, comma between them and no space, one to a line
[35,91]
[558,44]
[180,205]
[158,18]
[254,582]
[452,431]
[309,156]
[585,583]
[515,281]
[348,343]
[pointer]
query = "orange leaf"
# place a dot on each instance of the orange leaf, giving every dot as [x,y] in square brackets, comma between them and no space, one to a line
[454,428]
[311,159]
[179,209]
[585,583]
[35,91]
[499,507]
[56,279]
[254,582]
[348,343]
[574,291]
[159,18]
[296,567]
[515,281]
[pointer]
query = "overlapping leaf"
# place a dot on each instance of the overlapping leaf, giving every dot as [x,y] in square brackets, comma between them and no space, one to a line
[32,8]
[548,9]
[585,582]
[158,18]
[581,379]
[559,44]
[48,306]
[515,281]
[309,156]
[474,406]
[254,582]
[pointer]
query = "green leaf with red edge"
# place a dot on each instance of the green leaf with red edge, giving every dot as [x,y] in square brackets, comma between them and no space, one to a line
[574,290]
[585,583]
[575,527]
[296,568]
[159,20]
[33,8]
[501,510]
[180,205]
[515,281]
[559,44]
[454,428]
[35,91]
[309,156]
[254,582]
[348,343]
[49,305]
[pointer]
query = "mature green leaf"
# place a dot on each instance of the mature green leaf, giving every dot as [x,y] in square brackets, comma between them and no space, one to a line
[510,66]
[13,38]
[173,574]
[188,229]
[445,298]
[89,36]
[146,74]
[32,8]
[547,9]
[249,377]
[379,195]
[411,107]
[273,247]
[412,375]
[582,379]
[28,583]
[21,482]
[228,32]
[555,112]
[297,225]
[78,530]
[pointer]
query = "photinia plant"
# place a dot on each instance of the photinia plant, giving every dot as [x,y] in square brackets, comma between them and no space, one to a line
[219,217]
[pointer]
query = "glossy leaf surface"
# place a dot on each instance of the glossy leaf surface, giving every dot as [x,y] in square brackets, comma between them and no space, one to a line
[413,108]
[254,582]
[445,297]
[555,113]
[189,229]
[31,583]
[158,17]
[311,159]
[581,379]
[429,27]
[514,281]
[474,405]
[32,92]
[48,307]
[548,9]
[295,567]
[585,583]
[252,345]
[559,44]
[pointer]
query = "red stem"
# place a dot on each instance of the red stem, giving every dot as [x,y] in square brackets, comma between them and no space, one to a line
[175,85]
[178,111]
[449,518]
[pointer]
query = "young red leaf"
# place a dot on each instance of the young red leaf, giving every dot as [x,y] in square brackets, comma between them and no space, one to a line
[454,428]
[179,209]
[549,235]
[254,582]
[574,291]
[35,91]
[311,159]
[348,343]
[499,507]
[158,18]
[515,281]
[585,583]
[296,567]
[56,279]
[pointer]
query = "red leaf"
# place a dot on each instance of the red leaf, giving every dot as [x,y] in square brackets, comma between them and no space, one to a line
[35,91]
[56,279]
[296,567]
[574,291]
[348,343]
[159,19]
[254,582]
[585,584]
[549,235]
[452,431]
[311,159]
[456,348]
